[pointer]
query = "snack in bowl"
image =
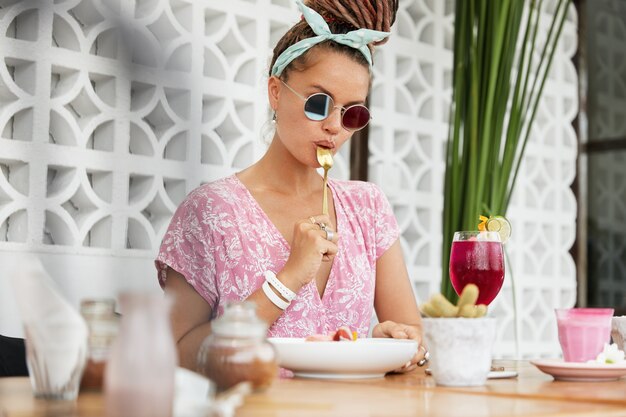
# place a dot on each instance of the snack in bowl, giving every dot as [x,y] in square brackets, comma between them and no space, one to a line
[439,306]
[344,333]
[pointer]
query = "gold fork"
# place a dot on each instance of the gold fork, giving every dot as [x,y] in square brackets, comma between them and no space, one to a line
[325,158]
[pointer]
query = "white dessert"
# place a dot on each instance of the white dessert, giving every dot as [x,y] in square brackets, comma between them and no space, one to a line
[610,355]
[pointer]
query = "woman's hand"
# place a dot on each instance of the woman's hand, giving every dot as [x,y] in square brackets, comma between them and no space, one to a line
[395,330]
[309,248]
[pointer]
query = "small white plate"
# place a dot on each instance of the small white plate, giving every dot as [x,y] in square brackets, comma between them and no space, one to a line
[577,371]
[491,374]
[363,358]
[501,374]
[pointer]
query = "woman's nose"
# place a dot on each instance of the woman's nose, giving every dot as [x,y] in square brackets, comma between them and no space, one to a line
[332,123]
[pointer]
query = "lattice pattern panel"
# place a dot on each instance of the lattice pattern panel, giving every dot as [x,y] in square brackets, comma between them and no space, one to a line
[111,111]
[126,108]
[607,172]
[411,99]
[410,104]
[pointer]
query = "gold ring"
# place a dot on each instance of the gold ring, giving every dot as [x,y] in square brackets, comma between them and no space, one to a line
[312,219]
[322,226]
[425,358]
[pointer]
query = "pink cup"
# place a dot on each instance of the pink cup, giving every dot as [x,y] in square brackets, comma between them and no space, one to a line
[583,332]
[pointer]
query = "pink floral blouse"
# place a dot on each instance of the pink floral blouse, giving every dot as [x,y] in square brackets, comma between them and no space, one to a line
[222,242]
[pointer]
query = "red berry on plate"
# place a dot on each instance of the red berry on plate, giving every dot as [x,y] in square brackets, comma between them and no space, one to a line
[343,333]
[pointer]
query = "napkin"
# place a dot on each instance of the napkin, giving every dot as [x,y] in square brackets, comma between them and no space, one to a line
[195,396]
[56,334]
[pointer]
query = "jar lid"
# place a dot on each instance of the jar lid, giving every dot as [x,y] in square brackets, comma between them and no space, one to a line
[97,306]
[239,320]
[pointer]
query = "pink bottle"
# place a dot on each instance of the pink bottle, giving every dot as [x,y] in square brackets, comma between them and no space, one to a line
[139,377]
[583,332]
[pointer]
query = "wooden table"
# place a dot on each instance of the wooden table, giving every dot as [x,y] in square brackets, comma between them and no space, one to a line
[415,394]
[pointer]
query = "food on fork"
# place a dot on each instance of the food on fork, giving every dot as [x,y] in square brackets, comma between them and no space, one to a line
[344,333]
[439,306]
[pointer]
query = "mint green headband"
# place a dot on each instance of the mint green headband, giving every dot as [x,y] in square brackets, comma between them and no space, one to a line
[357,39]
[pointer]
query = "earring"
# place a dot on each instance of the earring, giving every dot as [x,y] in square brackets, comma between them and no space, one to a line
[274,118]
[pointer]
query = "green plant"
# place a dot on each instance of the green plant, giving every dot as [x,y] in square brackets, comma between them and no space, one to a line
[498,80]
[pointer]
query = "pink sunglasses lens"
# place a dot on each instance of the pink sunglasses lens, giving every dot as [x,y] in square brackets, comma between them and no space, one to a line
[355,117]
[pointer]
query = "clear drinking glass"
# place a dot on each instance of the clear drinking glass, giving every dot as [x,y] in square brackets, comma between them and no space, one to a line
[477,258]
[56,352]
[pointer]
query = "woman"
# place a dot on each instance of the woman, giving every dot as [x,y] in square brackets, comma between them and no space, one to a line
[258,235]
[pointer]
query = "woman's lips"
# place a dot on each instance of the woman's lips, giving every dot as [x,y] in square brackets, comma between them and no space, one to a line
[327,145]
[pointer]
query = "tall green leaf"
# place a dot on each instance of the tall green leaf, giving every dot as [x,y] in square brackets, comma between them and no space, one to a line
[498,80]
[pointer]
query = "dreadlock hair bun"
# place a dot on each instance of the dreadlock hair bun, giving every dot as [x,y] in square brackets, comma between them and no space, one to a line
[359,14]
[342,16]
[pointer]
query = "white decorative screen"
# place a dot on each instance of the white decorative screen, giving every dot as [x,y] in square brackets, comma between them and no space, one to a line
[111,111]
[544,208]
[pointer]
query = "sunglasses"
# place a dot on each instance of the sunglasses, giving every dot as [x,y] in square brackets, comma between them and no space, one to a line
[318,107]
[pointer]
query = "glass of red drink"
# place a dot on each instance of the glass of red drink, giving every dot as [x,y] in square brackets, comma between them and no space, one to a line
[477,258]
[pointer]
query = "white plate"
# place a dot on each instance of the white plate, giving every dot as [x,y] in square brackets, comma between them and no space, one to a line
[578,371]
[491,374]
[363,358]
[501,374]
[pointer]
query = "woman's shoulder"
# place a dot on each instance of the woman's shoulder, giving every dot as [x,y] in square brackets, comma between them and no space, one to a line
[219,186]
[358,190]
[218,193]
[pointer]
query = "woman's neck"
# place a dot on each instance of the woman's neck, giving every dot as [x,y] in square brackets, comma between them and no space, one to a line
[278,171]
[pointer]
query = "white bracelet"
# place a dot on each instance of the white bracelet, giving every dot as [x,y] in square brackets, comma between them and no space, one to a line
[275,299]
[280,287]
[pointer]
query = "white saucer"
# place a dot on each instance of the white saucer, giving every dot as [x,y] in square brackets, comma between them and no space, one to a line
[580,371]
[501,374]
[491,374]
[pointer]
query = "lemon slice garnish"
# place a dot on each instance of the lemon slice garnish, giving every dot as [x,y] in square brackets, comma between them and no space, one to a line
[500,225]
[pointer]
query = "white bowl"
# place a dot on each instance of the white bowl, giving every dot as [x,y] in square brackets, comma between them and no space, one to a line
[363,358]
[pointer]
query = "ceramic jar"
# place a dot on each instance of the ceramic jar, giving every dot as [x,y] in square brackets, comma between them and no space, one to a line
[460,349]
[103,324]
[618,331]
[237,350]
